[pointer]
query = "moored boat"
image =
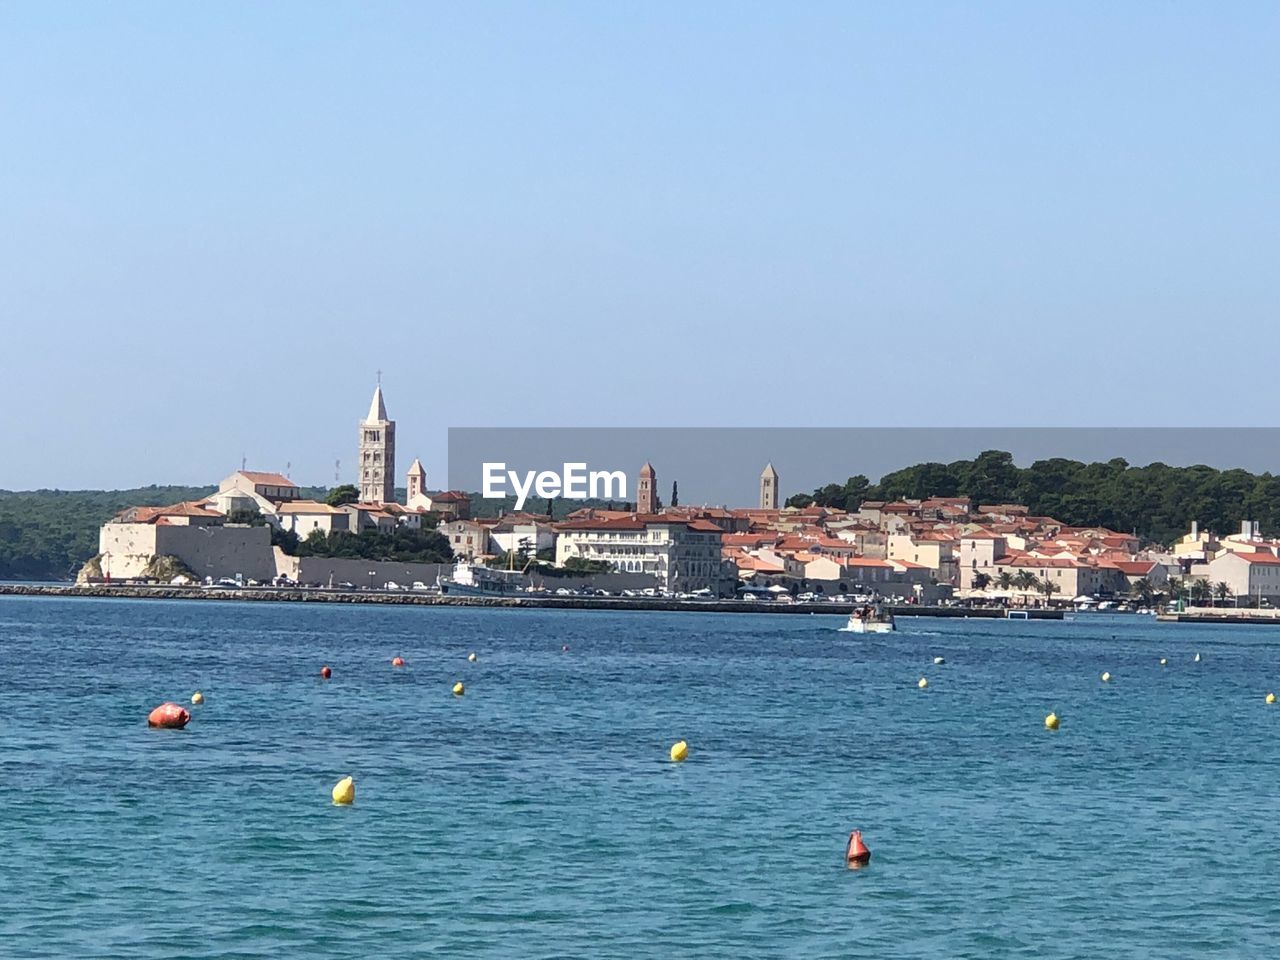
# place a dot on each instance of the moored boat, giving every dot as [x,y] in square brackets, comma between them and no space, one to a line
[474,580]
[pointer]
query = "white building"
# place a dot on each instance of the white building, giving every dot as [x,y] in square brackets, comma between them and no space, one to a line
[516,533]
[1247,574]
[681,555]
[304,517]
[254,491]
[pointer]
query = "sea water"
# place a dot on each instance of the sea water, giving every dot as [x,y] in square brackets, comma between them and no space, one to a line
[540,816]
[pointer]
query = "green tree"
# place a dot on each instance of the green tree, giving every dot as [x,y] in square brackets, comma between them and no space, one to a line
[1025,580]
[344,494]
[1143,591]
[675,494]
[579,565]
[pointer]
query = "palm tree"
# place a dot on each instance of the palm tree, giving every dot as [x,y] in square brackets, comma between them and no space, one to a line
[1048,588]
[981,581]
[1005,580]
[1222,591]
[1025,580]
[1143,590]
[1200,591]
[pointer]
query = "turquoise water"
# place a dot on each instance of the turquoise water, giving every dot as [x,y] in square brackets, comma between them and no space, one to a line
[539,816]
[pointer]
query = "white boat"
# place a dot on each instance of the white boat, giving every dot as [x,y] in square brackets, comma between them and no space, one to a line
[474,580]
[870,621]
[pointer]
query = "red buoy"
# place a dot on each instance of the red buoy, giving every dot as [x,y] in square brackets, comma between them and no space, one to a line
[168,715]
[857,854]
[325,672]
[397,661]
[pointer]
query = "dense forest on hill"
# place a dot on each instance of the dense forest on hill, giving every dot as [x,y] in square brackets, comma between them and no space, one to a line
[49,534]
[1158,502]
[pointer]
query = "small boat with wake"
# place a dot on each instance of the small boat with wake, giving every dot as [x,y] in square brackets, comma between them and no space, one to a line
[870,620]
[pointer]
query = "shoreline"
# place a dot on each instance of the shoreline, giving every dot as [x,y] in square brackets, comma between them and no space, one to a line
[409,598]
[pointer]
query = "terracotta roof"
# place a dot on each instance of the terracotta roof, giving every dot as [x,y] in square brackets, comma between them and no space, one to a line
[448,496]
[1269,559]
[307,506]
[1134,568]
[266,479]
[637,521]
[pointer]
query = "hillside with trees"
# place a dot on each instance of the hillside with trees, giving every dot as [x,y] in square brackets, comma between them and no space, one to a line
[49,534]
[1157,502]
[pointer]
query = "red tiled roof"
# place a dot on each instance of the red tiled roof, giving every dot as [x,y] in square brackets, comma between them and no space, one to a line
[637,521]
[1134,568]
[1270,559]
[267,479]
[448,496]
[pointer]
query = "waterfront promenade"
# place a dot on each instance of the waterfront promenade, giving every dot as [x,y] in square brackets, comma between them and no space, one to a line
[419,598]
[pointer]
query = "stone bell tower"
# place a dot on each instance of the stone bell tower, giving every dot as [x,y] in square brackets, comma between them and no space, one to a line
[377,461]
[769,488]
[647,490]
[415,484]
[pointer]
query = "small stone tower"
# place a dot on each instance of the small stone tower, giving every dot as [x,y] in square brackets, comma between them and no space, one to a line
[769,488]
[377,461]
[415,484]
[647,490]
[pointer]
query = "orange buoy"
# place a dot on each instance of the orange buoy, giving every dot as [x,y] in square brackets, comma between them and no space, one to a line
[857,854]
[325,672]
[168,715]
[397,661]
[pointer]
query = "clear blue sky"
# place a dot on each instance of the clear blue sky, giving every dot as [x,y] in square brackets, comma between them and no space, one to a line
[218,220]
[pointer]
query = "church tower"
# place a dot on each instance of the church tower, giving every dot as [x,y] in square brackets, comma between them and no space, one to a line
[415,481]
[769,488]
[647,490]
[377,479]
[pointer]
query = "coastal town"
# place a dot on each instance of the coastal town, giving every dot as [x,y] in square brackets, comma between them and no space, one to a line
[921,551]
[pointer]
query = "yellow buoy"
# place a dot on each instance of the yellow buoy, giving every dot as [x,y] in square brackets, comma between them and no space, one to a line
[459,689]
[197,698]
[344,791]
[1051,721]
[679,751]
[923,683]
[471,657]
[1271,698]
[1164,661]
[938,660]
[1106,677]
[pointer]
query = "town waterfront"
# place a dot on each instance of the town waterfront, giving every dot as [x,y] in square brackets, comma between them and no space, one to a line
[539,815]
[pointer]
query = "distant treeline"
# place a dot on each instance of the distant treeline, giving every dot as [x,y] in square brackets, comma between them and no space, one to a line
[1158,502]
[49,534]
